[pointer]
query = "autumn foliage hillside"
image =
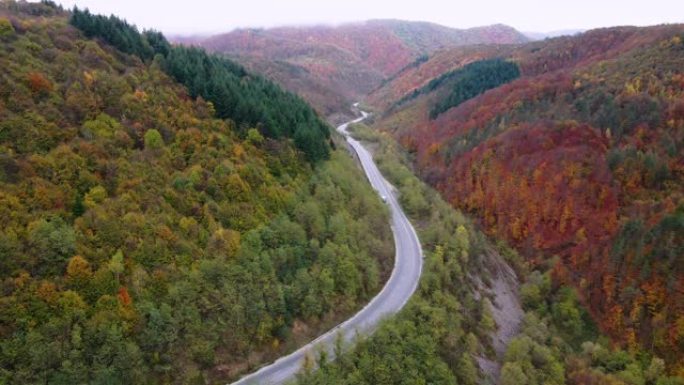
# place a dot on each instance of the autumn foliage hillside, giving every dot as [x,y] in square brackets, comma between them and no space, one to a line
[414,77]
[334,66]
[581,158]
[144,238]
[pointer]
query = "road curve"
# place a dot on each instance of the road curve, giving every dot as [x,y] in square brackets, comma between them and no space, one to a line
[402,283]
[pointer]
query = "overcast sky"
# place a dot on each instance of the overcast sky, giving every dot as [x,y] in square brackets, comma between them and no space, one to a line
[211,16]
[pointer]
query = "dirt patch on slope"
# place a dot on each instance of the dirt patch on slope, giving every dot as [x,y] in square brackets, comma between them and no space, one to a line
[506,311]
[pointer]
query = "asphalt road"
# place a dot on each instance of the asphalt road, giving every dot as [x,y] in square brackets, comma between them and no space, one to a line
[402,283]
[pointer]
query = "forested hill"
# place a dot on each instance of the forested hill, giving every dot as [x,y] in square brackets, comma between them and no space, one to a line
[148,235]
[334,66]
[235,94]
[574,157]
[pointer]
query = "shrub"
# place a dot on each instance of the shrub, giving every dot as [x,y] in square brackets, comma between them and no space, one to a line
[153,140]
[6,28]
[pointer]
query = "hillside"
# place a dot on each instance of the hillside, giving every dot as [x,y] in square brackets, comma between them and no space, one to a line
[579,158]
[470,313]
[334,66]
[414,77]
[148,235]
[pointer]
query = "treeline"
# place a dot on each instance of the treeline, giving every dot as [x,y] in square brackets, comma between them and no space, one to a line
[247,99]
[114,31]
[472,80]
[463,84]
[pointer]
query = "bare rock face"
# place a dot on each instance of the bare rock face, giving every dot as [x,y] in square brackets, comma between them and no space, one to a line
[506,311]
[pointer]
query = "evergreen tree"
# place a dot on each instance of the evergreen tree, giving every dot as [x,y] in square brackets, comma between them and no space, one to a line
[237,95]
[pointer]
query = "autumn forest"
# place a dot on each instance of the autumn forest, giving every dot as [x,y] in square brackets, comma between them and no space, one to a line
[181,210]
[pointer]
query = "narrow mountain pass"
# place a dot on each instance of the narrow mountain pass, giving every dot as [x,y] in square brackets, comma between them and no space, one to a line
[399,287]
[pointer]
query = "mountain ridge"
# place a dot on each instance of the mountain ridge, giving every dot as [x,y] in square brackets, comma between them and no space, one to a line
[333,66]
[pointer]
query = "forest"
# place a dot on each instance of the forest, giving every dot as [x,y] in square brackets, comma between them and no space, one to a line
[464,83]
[578,161]
[332,67]
[248,99]
[472,80]
[167,216]
[146,237]
[446,329]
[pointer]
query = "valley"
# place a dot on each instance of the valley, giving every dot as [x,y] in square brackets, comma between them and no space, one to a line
[219,208]
[398,289]
[558,129]
[333,67]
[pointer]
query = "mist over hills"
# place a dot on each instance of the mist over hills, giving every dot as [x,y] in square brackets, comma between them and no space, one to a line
[331,66]
[533,35]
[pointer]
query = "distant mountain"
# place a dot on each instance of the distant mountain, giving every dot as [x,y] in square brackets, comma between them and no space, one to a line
[332,66]
[577,158]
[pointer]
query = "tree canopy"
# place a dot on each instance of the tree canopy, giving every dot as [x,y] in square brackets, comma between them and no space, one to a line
[145,240]
[472,80]
[248,99]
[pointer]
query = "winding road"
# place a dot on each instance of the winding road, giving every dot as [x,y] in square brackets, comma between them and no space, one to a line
[402,283]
